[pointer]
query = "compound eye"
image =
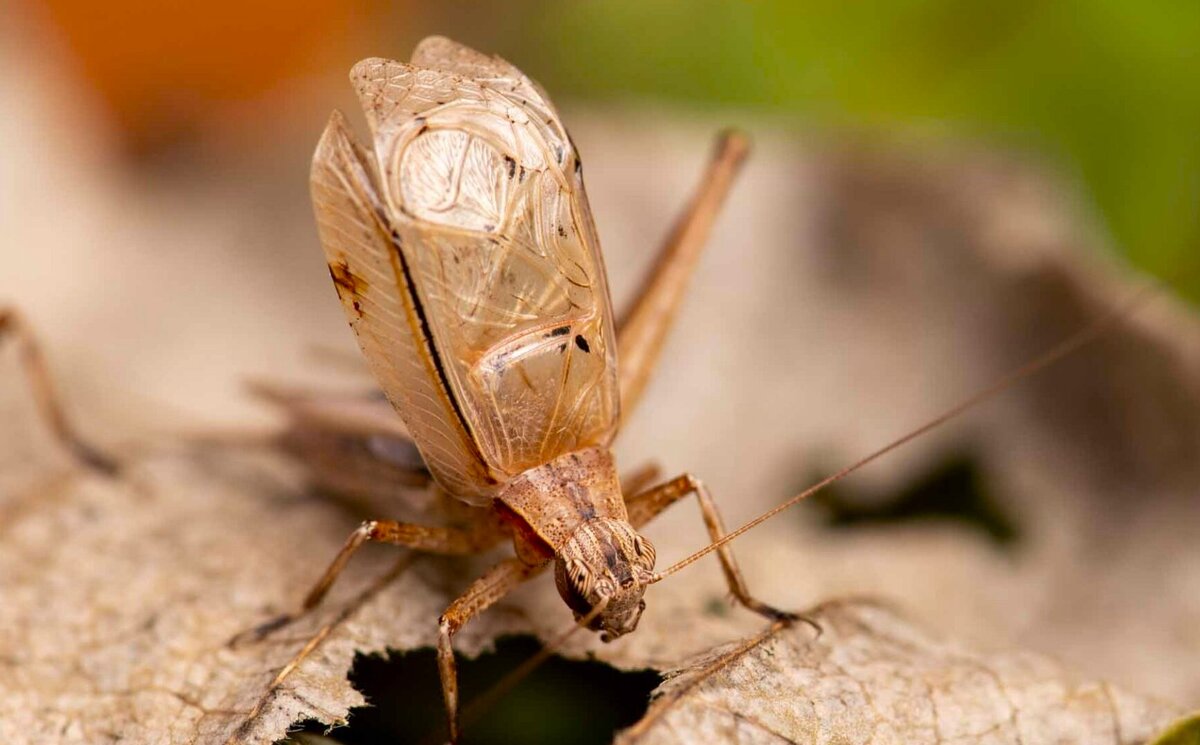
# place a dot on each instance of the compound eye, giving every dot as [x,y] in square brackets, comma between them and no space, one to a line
[580,576]
[643,549]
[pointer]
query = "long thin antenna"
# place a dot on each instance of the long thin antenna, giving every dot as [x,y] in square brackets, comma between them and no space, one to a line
[1081,337]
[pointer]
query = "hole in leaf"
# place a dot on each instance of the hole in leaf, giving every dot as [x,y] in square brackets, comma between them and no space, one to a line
[955,489]
[561,701]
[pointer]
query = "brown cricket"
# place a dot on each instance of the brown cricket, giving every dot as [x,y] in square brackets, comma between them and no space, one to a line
[463,250]
[462,247]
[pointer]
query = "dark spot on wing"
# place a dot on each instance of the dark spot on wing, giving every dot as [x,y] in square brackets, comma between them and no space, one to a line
[521,174]
[560,331]
[345,280]
[562,232]
[582,343]
[357,307]
[512,166]
[562,347]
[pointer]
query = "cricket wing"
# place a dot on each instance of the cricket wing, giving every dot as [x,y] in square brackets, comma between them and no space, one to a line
[487,71]
[482,187]
[377,296]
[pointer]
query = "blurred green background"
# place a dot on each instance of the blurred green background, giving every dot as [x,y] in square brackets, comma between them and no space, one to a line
[1108,90]
[1105,90]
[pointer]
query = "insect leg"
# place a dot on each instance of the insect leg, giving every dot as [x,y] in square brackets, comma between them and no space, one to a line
[45,397]
[497,582]
[641,330]
[645,507]
[430,539]
[436,540]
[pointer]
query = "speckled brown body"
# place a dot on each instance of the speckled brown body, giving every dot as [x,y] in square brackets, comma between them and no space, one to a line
[571,509]
[547,504]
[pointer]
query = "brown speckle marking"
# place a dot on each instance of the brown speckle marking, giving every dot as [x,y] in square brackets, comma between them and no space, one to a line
[346,280]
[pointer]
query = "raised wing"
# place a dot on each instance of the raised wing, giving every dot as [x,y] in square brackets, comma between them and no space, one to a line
[468,265]
[440,53]
[372,283]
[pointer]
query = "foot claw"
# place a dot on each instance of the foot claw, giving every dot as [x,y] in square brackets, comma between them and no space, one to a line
[96,460]
[775,615]
[261,631]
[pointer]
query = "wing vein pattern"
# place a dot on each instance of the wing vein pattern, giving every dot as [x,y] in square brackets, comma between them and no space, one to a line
[464,252]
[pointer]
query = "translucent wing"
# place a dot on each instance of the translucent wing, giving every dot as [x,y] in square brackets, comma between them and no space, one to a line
[372,285]
[440,53]
[469,235]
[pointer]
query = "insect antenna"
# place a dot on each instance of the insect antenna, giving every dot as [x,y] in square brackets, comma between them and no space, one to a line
[1083,336]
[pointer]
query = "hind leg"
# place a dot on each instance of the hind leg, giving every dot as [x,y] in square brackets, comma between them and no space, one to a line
[646,506]
[642,329]
[45,396]
[428,539]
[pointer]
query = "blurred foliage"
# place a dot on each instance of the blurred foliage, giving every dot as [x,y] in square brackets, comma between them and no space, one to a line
[163,70]
[1184,732]
[1106,88]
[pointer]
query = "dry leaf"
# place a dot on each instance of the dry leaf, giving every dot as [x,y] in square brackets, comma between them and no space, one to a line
[874,678]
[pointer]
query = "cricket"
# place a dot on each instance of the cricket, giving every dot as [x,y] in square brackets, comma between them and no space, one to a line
[463,250]
[462,247]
